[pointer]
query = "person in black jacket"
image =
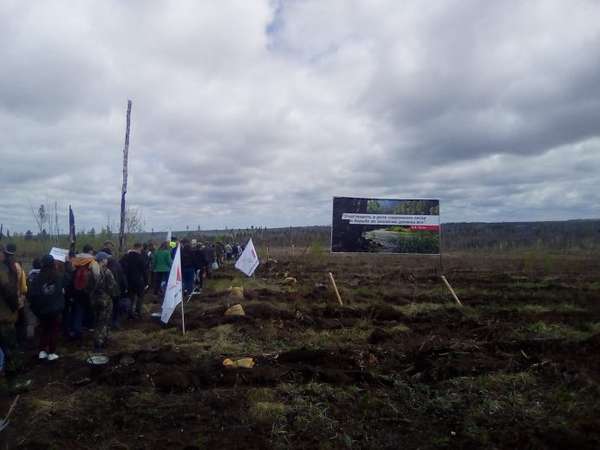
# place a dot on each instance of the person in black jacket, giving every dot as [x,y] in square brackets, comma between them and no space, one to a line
[119,275]
[135,268]
[200,265]
[47,303]
[187,266]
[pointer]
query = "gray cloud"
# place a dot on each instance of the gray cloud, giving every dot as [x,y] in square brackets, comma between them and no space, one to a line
[257,113]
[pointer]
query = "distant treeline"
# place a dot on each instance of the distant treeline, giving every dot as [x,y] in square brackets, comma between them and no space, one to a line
[558,235]
[571,235]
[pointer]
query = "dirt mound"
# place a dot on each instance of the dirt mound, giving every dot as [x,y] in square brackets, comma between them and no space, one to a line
[443,363]
[174,381]
[320,358]
[335,324]
[386,313]
[378,336]
[336,312]
[593,343]
[266,311]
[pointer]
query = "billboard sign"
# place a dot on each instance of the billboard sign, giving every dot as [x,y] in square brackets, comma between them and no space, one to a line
[377,225]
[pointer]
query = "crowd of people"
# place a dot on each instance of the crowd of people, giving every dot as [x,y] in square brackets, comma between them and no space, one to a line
[93,290]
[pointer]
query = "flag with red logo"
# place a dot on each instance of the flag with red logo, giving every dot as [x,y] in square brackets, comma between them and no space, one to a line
[248,261]
[174,289]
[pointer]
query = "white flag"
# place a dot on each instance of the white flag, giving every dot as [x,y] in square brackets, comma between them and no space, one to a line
[60,254]
[173,291]
[169,234]
[248,262]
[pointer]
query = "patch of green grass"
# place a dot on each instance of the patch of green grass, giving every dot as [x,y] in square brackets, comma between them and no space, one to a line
[532,308]
[267,412]
[559,331]
[365,292]
[351,336]
[312,407]
[223,284]
[400,328]
[224,339]
[134,340]
[504,380]
[414,309]
[255,395]
[595,286]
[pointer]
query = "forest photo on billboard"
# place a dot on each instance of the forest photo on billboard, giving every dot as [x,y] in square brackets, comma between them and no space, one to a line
[376,225]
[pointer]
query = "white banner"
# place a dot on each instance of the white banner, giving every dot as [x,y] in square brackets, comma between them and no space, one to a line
[59,254]
[173,290]
[390,219]
[169,234]
[248,262]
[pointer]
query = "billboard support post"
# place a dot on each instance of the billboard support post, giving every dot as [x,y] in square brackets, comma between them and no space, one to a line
[441,243]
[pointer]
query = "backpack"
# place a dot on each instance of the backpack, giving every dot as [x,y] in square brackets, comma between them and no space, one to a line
[82,279]
[47,297]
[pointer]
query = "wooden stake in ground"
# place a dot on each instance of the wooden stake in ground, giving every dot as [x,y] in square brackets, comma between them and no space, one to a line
[337,293]
[451,290]
[124,188]
[4,422]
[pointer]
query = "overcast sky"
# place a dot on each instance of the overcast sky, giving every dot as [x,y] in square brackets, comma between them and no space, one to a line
[255,112]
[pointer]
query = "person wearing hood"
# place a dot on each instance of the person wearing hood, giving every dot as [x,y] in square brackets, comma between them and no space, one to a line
[47,301]
[105,289]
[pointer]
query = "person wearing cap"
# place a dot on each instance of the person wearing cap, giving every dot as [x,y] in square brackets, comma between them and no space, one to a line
[105,289]
[47,301]
[173,246]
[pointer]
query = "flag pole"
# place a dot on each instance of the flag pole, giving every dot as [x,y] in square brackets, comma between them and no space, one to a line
[182,318]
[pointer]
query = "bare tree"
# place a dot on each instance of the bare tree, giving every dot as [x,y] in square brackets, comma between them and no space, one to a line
[56,227]
[40,217]
[134,221]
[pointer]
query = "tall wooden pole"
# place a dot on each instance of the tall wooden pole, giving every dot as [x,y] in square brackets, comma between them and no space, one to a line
[124,188]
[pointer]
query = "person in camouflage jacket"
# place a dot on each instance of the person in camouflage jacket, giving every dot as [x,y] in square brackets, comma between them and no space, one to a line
[105,288]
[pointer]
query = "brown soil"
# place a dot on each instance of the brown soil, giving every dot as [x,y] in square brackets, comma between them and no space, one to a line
[396,367]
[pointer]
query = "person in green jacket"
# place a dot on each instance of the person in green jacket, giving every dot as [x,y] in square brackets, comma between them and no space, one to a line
[161,262]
